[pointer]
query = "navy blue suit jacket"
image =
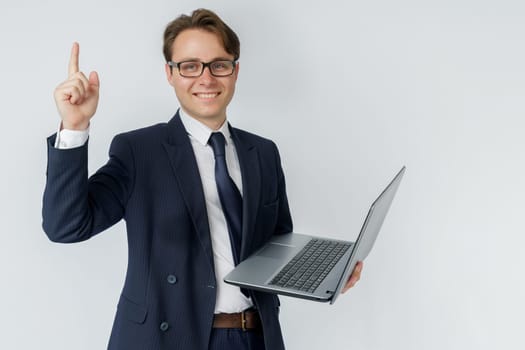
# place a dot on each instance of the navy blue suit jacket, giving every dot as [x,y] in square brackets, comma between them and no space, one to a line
[151,180]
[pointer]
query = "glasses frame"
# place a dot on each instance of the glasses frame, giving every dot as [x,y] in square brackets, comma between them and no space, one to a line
[204,65]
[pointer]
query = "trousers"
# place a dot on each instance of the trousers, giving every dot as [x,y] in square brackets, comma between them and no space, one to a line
[235,339]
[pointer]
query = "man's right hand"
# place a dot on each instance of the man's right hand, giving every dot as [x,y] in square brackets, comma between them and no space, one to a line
[77,97]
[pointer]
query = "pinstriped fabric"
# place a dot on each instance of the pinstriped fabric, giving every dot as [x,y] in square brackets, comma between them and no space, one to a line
[151,181]
[235,339]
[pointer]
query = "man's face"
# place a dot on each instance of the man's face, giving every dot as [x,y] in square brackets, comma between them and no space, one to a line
[206,97]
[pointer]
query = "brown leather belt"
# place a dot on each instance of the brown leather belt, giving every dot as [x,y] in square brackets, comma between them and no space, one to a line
[245,320]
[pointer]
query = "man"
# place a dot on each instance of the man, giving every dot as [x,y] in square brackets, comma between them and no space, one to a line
[198,196]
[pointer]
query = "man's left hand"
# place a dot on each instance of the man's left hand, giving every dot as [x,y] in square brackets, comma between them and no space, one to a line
[354,277]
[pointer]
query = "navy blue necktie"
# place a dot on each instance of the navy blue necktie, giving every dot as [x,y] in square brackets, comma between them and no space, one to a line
[229,194]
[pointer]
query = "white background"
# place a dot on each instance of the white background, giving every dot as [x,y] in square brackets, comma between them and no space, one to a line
[357,88]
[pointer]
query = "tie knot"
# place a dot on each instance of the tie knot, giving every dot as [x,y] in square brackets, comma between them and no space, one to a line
[217,142]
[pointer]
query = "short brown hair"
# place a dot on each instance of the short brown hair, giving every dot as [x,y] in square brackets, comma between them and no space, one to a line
[206,20]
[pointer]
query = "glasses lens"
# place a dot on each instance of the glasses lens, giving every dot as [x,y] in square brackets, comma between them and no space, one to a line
[221,68]
[190,69]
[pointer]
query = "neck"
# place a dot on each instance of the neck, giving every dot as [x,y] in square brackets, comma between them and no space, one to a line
[212,123]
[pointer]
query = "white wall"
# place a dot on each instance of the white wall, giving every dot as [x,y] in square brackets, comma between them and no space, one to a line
[359,88]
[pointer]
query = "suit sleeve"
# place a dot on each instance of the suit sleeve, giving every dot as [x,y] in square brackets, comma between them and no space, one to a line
[284,220]
[76,207]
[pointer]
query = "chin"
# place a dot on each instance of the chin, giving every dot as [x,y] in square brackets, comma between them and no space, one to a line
[210,114]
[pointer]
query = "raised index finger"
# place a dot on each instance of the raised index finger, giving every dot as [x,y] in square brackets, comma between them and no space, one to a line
[73,60]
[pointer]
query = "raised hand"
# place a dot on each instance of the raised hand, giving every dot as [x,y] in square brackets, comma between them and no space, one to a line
[77,97]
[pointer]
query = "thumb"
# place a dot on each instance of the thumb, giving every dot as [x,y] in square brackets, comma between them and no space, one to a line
[93,79]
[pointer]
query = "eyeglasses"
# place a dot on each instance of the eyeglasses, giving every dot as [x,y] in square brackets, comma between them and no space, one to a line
[193,69]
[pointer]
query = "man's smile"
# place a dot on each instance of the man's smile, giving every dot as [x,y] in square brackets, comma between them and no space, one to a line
[206,95]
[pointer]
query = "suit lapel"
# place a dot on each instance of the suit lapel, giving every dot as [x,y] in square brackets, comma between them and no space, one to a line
[184,165]
[251,187]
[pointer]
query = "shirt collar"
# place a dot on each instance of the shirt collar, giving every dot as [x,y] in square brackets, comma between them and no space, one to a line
[201,132]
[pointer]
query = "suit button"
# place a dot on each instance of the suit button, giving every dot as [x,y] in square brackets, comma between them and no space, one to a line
[172,279]
[164,326]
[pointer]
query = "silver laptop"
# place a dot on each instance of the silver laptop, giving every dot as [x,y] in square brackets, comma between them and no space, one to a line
[310,267]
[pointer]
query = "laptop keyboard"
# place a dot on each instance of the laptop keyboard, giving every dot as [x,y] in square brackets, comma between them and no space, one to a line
[311,265]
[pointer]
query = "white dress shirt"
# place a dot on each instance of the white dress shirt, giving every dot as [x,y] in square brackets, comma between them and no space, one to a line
[229,299]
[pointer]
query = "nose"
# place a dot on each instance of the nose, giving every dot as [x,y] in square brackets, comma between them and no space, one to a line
[206,76]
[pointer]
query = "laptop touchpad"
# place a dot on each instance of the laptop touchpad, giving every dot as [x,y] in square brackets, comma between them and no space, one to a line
[276,251]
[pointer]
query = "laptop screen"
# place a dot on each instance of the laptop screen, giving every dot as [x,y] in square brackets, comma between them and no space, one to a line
[370,229]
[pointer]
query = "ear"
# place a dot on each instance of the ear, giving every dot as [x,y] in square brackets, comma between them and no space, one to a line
[169,73]
[236,74]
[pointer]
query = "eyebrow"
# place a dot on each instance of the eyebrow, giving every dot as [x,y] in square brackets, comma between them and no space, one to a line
[195,59]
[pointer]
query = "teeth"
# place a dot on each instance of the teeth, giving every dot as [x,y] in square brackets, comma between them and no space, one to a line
[207,95]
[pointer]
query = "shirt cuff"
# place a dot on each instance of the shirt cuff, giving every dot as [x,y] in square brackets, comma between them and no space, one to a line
[70,138]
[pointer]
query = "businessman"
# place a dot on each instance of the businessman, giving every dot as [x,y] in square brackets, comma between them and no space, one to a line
[198,196]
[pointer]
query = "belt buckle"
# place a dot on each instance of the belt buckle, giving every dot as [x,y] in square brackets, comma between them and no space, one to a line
[243,321]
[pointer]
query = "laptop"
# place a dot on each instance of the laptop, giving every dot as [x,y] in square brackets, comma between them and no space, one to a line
[311,267]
